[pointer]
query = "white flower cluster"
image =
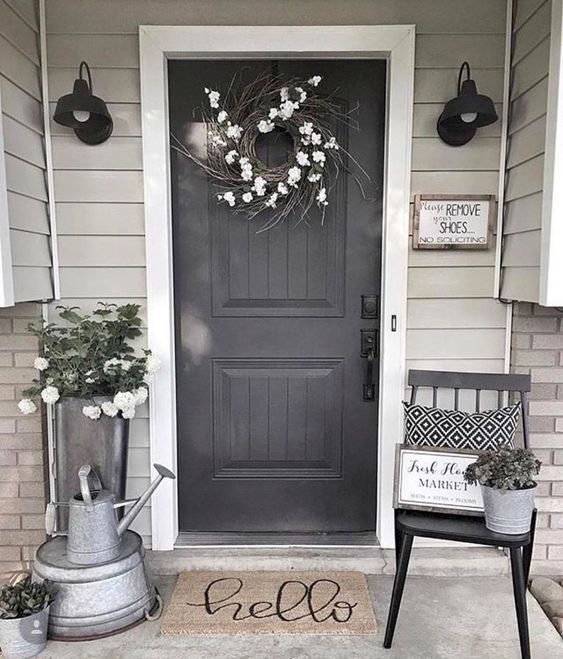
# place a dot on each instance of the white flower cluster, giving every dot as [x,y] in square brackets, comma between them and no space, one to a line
[213,97]
[123,401]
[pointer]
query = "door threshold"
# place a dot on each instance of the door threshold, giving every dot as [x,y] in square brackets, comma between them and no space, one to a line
[273,540]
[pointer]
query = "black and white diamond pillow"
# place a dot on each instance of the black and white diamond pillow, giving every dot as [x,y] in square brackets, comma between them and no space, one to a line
[480,431]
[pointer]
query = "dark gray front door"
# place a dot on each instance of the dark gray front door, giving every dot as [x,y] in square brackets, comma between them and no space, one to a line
[273,431]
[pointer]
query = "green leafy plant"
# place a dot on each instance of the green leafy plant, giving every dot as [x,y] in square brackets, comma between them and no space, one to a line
[87,356]
[505,469]
[25,598]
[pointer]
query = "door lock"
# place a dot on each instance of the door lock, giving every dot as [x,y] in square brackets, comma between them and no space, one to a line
[368,350]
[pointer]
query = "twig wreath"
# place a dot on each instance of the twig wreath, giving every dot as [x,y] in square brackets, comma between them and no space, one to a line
[246,183]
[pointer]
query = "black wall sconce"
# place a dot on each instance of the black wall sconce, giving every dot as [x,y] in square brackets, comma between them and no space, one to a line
[462,115]
[85,113]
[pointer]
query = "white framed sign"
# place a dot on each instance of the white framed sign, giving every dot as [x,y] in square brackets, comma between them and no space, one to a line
[453,221]
[428,478]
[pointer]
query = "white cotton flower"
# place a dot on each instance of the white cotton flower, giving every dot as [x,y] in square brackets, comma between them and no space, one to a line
[314,81]
[259,186]
[287,108]
[110,409]
[302,158]
[247,197]
[306,128]
[302,94]
[229,197]
[284,94]
[319,157]
[213,97]
[92,411]
[50,395]
[222,116]
[128,413]
[273,113]
[27,406]
[266,126]
[314,177]
[321,197]
[271,201]
[231,157]
[234,131]
[282,188]
[293,176]
[332,144]
[41,363]
[316,138]
[153,364]
[246,173]
[141,395]
[124,400]
[244,161]
[216,139]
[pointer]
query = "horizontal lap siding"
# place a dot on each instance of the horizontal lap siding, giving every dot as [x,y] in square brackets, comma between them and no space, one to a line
[24,152]
[526,146]
[453,322]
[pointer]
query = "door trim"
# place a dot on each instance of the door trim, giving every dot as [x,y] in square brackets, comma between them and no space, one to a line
[395,44]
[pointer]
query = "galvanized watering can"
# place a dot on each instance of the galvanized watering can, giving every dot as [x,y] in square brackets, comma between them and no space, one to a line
[94,532]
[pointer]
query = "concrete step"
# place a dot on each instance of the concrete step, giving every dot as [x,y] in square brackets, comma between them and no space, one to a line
[425,561]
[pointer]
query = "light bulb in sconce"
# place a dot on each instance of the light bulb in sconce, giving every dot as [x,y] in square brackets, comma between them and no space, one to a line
[81,115]
[468,117]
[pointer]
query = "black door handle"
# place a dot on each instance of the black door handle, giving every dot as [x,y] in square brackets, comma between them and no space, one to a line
[369,387]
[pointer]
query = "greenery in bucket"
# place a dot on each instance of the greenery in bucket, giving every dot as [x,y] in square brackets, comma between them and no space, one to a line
[25,598]
[505,469]
[90,355]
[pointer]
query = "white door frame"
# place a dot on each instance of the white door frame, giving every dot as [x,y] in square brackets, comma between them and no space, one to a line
[394,43]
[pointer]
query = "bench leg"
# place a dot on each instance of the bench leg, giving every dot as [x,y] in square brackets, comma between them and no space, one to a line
[398,585]
[519,585]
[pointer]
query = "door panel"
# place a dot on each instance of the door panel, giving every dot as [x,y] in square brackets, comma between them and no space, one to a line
[273,432]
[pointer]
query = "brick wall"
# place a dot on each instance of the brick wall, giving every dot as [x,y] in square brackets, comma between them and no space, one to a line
[23,453]
[537,348]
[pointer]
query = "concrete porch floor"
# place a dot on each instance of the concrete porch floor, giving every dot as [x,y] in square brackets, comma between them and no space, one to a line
[441,617]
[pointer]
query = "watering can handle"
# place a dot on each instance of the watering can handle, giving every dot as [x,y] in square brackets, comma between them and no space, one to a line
[84,489]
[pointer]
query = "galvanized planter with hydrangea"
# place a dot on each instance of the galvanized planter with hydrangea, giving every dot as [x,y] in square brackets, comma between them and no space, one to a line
[92,378]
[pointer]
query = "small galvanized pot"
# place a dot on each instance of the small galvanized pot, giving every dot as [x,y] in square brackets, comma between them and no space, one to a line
[508,511]
[24,637]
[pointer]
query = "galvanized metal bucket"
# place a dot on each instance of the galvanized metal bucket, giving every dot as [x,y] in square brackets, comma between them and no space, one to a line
[508,511]
[24,637]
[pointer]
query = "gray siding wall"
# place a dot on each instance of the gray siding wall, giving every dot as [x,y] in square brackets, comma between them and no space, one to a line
[22,122]
[453,322]
[526,146]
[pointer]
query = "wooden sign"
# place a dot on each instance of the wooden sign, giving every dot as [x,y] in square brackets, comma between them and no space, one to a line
[453,221]
[428,478]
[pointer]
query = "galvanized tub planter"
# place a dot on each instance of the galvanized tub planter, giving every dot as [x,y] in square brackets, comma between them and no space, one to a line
[103,444]
[508,511]
[24,637]
[96,600]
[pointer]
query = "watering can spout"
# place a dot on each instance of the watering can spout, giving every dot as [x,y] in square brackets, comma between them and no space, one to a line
[124,524]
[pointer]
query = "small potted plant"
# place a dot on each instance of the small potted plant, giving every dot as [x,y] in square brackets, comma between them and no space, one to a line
[24,617]
[507,479]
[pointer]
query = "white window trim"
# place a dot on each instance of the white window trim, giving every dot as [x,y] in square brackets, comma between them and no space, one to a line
[6,274]
[396,44]
[551,268]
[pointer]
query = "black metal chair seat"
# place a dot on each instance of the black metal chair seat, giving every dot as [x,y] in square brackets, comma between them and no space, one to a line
[459,528]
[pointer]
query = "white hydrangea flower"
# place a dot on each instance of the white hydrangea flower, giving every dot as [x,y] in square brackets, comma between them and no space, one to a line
[314,177]
[234,131]
[284,94]
[126,364]
[259,186]
[316,138]
[27,406]
[90,379]
[141,395]
[302,94]
[321,197]
[129,413]
[213,97]
[229,197]
[265,126]
[124,400]
[246,173]
[109,408]
[222,116]
[332,144]
[231,157]
[287,108]
[293,176]
[271,201]
[319,157]
[41,363]
[306,128]
[153,364]
[92,411]
[314,81]
[273,113]
[110,363]
[247,197]
[282,188]
[302,159]
[50,395]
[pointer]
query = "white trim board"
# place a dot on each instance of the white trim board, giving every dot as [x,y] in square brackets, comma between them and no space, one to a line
[6,274]
[394,43]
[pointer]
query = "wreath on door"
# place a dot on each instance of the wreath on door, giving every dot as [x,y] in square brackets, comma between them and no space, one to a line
[268,103]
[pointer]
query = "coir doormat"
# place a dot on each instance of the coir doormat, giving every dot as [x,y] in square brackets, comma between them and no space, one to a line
[270,603]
